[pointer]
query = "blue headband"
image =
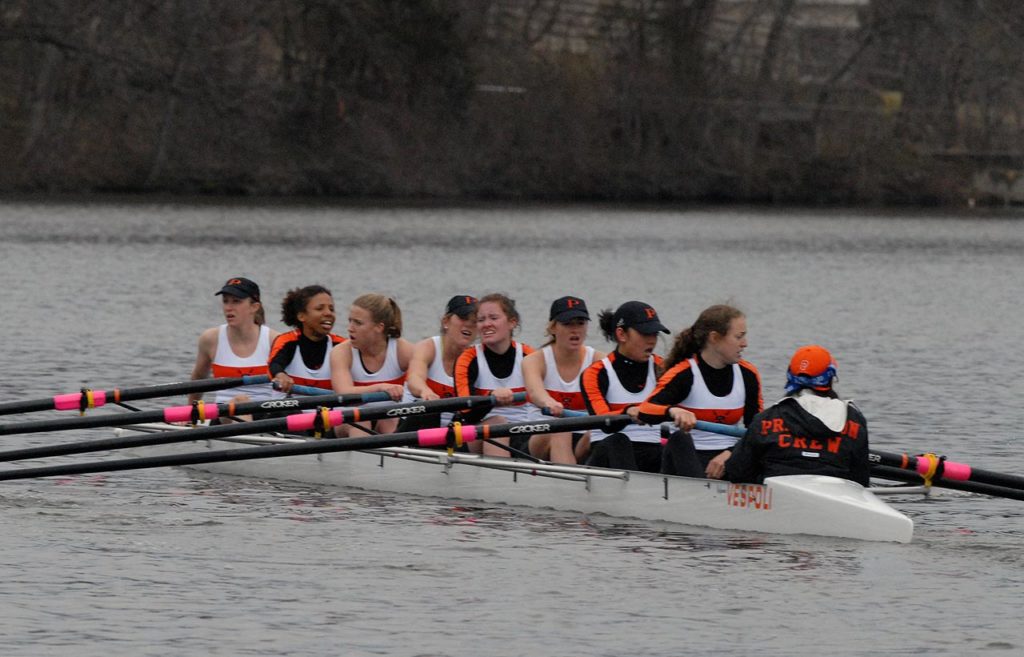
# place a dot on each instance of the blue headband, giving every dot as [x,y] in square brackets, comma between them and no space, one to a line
[795,382]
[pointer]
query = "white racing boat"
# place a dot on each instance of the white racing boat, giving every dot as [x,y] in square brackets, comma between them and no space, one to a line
[799,504]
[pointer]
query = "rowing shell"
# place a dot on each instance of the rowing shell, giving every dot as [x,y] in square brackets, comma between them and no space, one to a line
[796,504]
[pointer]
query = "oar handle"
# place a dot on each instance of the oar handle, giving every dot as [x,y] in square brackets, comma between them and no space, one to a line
[725,429]
[313,391]
[566,412]
[712,427]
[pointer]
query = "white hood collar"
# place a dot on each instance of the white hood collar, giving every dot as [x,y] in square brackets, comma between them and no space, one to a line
[832,412]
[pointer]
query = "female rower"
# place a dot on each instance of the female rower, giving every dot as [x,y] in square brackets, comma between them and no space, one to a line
[375,356]
[621,380]
[238,347]
[300,356]
[552,377]
[495,367]
[705,379]
[433,360]
[811,431]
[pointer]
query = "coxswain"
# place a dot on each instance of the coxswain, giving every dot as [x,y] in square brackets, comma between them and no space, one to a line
[238,347]
[431,368]
[495,367]
[620,382]
[705,378]
[810,431]
[552,377]
[375,356]
[300,356]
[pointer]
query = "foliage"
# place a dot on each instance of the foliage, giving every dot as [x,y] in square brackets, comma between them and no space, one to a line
[613,99]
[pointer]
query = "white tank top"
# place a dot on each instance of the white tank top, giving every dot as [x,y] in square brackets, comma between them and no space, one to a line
[619,396]
[565,392]
[390,371]
[709,408]
[319,378]
[437,379]
[486,381]
[226,363]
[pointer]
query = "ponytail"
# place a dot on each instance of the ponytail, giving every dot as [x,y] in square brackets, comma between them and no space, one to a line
[383,310]
[691,341]
[606,322]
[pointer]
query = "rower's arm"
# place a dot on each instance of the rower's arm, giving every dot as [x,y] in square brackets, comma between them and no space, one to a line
[594,386]
[673,387]
[205,352]
[534,370]
[419,365]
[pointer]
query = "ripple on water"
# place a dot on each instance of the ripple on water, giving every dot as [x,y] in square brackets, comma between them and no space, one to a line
[168,561]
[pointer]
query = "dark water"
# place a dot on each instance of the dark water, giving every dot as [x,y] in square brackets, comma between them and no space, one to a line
[922,312]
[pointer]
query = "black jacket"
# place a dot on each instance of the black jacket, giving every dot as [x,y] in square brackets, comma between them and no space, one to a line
[785,439]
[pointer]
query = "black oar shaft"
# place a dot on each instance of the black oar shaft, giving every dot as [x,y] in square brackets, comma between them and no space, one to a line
[608,423]
[8,408]
[948,472]
[899,474]
[216,456]
[91,398]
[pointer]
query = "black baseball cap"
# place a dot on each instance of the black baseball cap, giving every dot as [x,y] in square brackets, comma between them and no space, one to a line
[566,309]
[640,316]
[462,305]
[241,288]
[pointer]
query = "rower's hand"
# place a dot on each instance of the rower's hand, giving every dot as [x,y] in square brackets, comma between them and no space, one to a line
[716,466]
[634,413]
[503,396]
[394,391]
[555,409]
[283,382]
[682,418]
[429,395]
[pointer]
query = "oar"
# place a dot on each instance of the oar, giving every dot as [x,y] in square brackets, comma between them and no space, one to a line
[668,427]
[899,474]
[192,413]
[320,421]
[938,469]
[85,399]
[933,470]
[310,391]
[450,436]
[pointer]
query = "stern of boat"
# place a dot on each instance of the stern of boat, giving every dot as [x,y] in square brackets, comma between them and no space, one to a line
[844,507]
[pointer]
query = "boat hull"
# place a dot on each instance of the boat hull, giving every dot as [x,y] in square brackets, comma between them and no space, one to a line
[798,504]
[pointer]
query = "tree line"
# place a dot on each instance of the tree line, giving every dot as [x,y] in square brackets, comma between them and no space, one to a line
[510,99]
